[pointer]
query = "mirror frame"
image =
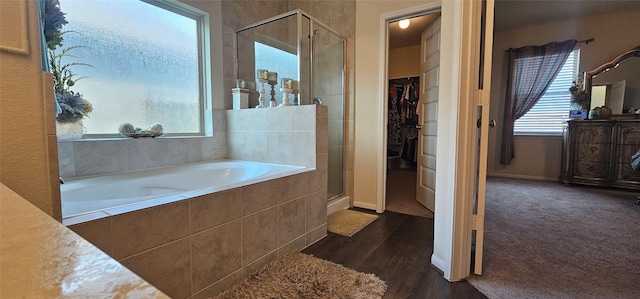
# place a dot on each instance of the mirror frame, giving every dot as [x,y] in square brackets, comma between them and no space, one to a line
[588,76]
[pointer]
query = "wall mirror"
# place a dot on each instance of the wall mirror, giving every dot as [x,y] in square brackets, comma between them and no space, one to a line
[616,83]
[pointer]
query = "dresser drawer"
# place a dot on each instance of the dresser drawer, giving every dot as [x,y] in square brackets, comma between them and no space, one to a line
[593,134]
[626,173]
[592,170]
[592,152]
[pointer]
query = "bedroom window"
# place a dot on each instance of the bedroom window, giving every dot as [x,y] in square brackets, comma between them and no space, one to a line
[147,63]
[550,114]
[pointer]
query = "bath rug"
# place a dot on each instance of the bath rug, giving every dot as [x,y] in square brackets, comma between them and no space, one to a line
[298,275]
[348,222]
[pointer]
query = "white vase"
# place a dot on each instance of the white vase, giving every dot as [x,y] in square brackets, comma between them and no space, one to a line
[70,130]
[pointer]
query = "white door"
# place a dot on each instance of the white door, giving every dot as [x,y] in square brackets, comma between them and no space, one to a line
[428,112]
[482,100]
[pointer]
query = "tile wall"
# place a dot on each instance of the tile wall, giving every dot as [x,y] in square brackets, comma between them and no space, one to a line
[284,135]
[196,248]
[102,156]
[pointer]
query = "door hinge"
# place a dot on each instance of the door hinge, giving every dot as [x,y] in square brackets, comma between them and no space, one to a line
[477,222]
[482,97]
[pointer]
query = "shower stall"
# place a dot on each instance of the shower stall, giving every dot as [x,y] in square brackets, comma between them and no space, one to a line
[296,46]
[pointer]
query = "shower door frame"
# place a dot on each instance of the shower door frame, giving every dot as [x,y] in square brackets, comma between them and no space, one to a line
[313,21]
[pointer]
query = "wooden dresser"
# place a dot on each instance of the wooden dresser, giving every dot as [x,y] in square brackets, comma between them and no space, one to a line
[598,153]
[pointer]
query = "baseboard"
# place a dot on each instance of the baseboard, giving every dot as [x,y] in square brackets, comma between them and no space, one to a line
[524,177]
[337,205]
[364,205]
[439,264]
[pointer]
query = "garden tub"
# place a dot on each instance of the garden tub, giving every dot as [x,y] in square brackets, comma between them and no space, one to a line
[123,192]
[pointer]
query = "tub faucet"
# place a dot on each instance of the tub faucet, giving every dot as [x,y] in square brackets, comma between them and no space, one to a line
[61,180]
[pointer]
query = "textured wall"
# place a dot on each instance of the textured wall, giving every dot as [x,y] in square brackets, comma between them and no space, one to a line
[28,155]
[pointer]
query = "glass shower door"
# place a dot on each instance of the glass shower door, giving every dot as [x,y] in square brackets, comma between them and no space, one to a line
[328,88]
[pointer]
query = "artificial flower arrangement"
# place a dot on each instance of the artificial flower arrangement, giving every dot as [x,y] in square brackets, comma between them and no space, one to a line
[579,96]
[73,106]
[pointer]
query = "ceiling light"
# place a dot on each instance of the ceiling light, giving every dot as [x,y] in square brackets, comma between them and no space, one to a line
[404,23]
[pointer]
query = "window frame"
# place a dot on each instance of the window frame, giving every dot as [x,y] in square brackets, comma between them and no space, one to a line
[575,56]
[204,68]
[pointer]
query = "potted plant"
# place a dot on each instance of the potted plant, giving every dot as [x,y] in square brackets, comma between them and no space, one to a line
[579,97]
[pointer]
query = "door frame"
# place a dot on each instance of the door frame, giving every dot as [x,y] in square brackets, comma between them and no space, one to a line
[455,186]
[386,19]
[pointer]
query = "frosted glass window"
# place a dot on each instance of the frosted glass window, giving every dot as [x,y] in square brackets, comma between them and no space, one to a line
[279,61]
[145,62]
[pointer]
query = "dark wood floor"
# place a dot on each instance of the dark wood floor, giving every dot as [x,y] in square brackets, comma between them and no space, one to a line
[397,248]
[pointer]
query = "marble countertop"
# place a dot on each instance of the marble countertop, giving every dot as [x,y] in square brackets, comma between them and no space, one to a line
[41,258]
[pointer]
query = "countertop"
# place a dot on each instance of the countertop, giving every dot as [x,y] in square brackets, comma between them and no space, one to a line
[41,258]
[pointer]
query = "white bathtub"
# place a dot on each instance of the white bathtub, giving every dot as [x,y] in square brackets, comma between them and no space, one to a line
[118,193]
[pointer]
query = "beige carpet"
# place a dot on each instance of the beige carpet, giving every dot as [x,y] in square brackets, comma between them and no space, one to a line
[401,193]
[298,275]
[348,222]
[545,240]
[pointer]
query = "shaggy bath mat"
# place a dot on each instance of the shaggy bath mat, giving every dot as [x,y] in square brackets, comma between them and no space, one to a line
[299,275]
[348,222]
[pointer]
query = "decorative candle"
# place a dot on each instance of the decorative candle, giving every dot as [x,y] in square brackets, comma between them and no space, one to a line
[262,74]
[287,83]
[272,77]
[241,83]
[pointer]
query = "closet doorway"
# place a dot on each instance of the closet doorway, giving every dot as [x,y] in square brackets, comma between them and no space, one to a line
[413,60]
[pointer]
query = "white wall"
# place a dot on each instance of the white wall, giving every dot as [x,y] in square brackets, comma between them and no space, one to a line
[539,157]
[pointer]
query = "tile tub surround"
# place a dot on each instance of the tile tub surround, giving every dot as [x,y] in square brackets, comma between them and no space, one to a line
[292,135]
[112,155]
[43,259]
[198,247]
[282,135]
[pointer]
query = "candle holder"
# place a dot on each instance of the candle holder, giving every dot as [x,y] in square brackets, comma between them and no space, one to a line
[261,91]
[285,97]
[263,76]
[272,79]
[273,92]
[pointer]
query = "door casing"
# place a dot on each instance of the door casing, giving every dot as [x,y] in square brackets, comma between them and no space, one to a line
[455,183]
